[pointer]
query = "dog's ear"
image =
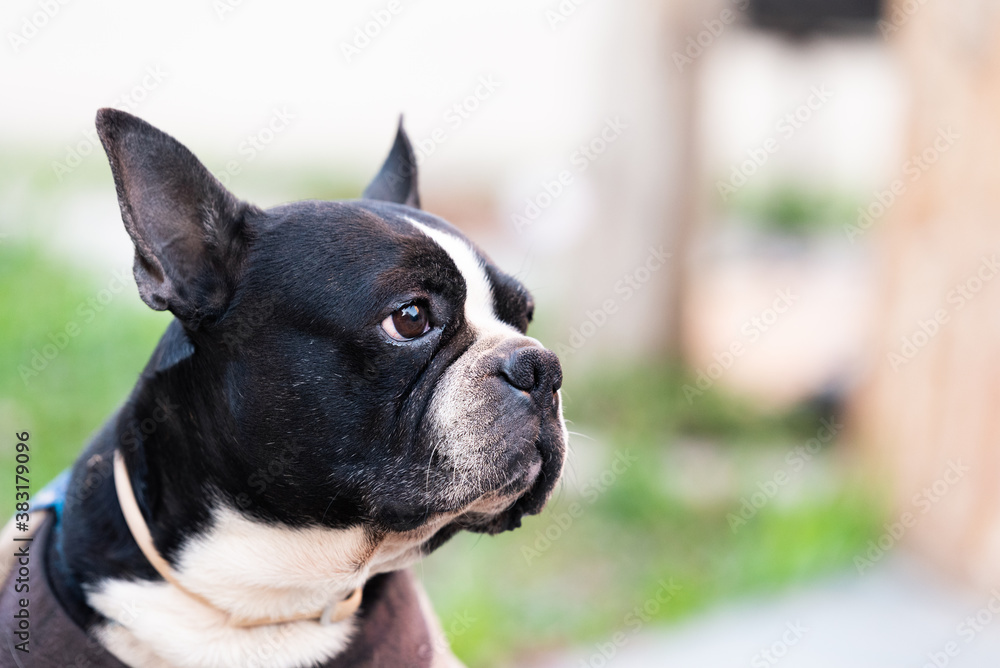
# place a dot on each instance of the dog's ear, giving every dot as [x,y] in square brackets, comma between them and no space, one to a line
[189,232]
[397,180]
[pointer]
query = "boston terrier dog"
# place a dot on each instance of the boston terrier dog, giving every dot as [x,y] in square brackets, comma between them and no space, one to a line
[344,386]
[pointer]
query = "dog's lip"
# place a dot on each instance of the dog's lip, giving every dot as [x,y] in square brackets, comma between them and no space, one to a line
[524,479]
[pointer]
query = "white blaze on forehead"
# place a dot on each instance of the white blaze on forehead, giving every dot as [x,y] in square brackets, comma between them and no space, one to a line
[479,293]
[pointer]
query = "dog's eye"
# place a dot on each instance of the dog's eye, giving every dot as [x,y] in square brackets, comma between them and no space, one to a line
[407,323]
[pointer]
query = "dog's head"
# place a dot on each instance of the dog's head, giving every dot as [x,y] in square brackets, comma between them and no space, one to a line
[369,365]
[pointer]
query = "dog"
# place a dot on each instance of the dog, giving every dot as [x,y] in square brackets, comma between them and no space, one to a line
[344,386]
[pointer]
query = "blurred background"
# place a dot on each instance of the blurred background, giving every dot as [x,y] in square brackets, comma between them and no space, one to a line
[761,235]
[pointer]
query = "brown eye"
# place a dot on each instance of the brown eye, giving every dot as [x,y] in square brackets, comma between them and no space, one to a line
[407,323]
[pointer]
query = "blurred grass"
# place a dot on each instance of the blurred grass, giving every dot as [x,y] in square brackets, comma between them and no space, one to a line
[499,602]
[85,381]
[794,209]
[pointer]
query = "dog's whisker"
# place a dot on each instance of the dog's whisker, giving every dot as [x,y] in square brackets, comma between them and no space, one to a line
[427,482]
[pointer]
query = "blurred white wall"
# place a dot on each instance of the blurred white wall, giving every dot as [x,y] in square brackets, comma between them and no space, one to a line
[223,75]
[851,140]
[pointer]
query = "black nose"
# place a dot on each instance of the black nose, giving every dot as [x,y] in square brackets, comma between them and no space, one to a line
[533,370]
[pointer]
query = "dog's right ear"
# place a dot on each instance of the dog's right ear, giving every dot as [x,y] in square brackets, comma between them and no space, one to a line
[189,232]
[397,180]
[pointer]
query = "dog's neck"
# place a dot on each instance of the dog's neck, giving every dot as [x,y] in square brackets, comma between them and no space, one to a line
[249,569]
[243,566]
[331,611]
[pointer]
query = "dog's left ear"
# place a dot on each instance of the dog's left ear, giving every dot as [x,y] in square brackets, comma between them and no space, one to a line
[190,233]
[397,180]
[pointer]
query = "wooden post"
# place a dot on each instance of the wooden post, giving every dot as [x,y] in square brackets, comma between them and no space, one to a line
[929,412]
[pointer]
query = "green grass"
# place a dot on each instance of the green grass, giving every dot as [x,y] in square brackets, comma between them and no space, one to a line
[499,602]
[61,400]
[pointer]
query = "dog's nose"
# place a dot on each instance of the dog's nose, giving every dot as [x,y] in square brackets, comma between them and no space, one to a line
[533,370]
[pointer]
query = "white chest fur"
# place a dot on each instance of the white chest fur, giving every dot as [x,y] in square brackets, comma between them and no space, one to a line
[245,567]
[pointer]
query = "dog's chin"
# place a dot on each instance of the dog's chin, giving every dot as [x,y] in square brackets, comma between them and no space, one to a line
[525,493]
[503,510]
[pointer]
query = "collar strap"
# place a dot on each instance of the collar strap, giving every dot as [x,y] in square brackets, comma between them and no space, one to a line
[140,532]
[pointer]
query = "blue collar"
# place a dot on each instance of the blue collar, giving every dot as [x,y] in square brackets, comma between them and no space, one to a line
[52,496]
